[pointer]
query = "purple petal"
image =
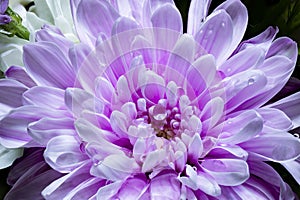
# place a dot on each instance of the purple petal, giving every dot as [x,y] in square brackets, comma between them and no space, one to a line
[13,127]
[274,120]
[124,24]
[133,188]
[278,70]
[167,16]
[77,54]
[239,17]
[197,13]
[165,186]
[242,61]
[227,172]
[243,86]
[4,19]
[77,100]
[34,180]
[200,181]
[93,18]
[110,190]
[11,94]
[262,40]
[48,97]
[216,35]
[284,46]
[115,167]
[47,128]
[45,63]
[72,182]
[195,148]
[19,74]
[63,153]
[290,106]
[46,34]
[3,6]
[280,146]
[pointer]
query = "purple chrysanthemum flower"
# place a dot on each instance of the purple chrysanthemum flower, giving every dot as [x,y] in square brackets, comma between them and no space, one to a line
[4,19]
[139,110]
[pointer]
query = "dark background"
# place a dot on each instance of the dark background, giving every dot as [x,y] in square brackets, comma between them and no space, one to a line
[285,14]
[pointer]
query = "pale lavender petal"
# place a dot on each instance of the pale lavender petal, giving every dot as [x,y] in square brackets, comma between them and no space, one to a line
[124,24]
[239,17]
[165,186]
[47,128]
[110,190]
[283,46]
[197,14]
[63,153]
[11,94]
[262,40]
[77,54]
[274,120]
[66,185]
[216,35]
[227,172]
[49,97]
[115,167]
[250,129]
[19,74]
[167,16]
[13,127]
[45,63]
[242,61]
[280,146]
[93,18]
[133,188]
[47,34]
[278,69]
[290,106]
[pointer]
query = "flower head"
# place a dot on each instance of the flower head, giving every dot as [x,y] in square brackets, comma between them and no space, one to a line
[139,110]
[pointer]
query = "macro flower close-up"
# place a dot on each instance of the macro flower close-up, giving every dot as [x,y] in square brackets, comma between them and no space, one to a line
[132,100]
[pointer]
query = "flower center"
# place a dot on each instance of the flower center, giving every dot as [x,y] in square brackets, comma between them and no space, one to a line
[163,119]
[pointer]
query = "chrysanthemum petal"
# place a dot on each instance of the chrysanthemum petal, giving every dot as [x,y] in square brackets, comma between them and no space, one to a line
[167,16]
[45,63]
[216,35]
[13,127]
[47,128]
[165,186]
[227,172]
[280,146]
[283,46]
[115,167]
[197,13]
[19,74]
[239,17]
[290,106]
[133,188]
[243,60]
[49,97]
[63,153]
[274,120]
[11,94]
[47,34]
[93,18]
[67,184]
